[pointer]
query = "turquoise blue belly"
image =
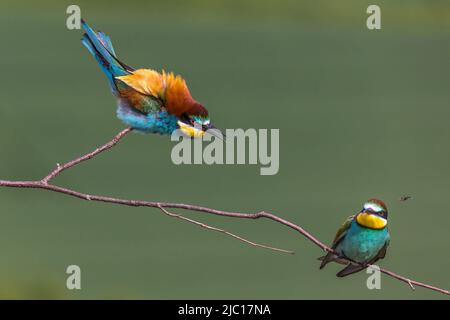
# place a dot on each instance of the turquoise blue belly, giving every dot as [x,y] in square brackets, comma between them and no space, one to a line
[362,244]
[155,122]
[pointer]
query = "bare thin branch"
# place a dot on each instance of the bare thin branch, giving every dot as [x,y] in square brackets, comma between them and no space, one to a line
[60,168]
[44,184]
[208,227]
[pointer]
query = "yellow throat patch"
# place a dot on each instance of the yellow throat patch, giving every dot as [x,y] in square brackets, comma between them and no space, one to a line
[371,221]
[190,131]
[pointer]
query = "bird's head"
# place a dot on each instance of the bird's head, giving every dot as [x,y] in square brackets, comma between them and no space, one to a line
[196,125]
[192,116]
[374,214]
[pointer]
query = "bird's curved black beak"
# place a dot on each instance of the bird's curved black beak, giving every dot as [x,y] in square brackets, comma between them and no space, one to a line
[212,130]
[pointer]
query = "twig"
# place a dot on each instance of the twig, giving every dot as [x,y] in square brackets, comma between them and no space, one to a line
[208,227]
[60,168]
[44,184]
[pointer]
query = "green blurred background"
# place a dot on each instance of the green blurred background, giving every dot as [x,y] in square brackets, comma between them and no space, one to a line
[361,114]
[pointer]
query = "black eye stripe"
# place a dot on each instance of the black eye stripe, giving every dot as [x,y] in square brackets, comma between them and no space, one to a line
[382,214]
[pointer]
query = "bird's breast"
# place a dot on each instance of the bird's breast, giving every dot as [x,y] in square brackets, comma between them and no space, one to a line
[154,122]
[362,244]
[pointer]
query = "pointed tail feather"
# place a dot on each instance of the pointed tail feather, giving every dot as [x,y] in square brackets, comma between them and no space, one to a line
[100,46]
[326,259]
[330,257]
[350,269]
[106,42]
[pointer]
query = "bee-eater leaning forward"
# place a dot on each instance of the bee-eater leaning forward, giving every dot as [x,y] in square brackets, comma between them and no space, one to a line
[363,238]
[148,101]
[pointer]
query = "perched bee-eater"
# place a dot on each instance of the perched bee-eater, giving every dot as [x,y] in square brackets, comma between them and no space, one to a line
[148,101]
[362,239]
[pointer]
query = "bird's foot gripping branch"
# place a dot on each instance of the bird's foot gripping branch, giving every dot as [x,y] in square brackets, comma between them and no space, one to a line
[46,184]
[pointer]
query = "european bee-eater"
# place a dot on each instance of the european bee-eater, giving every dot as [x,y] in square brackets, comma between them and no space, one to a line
[363,238]
[148,101]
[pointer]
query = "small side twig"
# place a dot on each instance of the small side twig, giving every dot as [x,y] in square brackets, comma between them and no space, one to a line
[411,285]
[208,227]
[60,168]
